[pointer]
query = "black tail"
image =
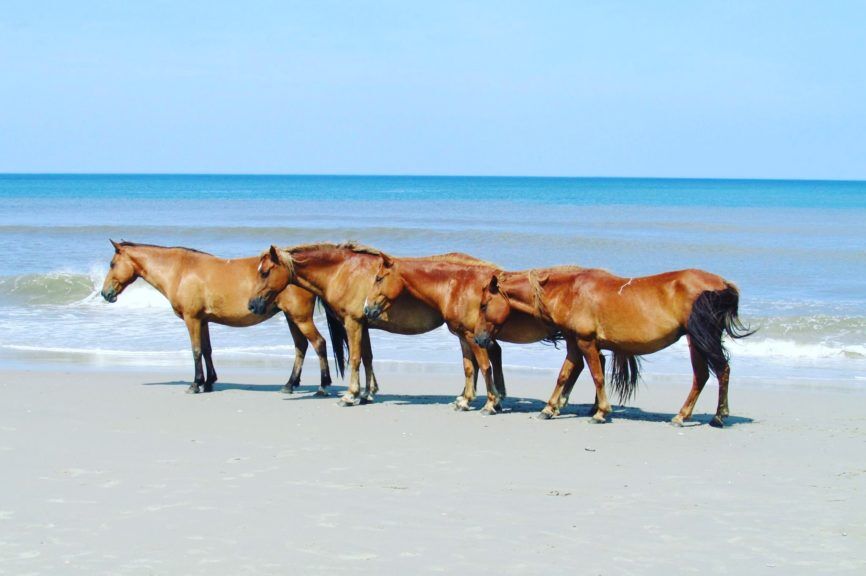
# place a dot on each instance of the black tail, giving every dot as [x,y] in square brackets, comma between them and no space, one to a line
[554,338]
[624,375]
[714,314]
[339,338]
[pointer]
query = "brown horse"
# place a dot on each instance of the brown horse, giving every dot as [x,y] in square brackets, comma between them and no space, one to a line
[342,275]
[629,316]
[453,285]
[203,288]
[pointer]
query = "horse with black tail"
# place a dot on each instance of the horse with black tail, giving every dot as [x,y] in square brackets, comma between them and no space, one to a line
[597,311]
[203,288]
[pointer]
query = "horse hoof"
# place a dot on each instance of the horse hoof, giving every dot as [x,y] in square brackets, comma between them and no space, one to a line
[488,411]
[192,390]
[543,415]
[717,422]
[596,419]
[207,388]
[322,393]
[349,401]
[366,400]
[287,389]
[677,421]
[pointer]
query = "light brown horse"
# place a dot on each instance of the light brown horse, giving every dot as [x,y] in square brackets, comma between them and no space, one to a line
[453,285]
[203,288]
[629,316]
[342,275]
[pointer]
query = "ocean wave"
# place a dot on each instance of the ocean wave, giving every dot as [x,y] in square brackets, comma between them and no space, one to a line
[51,288]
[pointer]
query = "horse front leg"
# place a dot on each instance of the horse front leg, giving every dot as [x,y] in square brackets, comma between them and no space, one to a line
[590,351]
[300,342]
[701,374]
[495,354]
[371,386]
[492,406]
[470,371]
[193,325]
[354,333]
[207,350]
[571,369]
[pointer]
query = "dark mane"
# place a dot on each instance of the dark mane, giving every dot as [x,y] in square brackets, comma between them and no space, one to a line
[127,243]
[353,246]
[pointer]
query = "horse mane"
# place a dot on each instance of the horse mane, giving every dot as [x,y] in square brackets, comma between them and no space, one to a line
[351,245]
[461,258]
[128,244]
[538,294]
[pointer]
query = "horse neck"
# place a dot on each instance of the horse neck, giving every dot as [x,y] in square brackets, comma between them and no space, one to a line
[314,270]
[157,266]
[520,293]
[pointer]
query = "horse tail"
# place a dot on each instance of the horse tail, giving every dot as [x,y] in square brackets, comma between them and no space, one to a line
[715,313]
[339,337]
[624,375]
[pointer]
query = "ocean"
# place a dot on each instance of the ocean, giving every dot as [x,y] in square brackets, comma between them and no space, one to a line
[796,249]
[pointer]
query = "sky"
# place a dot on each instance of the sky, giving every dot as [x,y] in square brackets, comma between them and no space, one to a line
[664,89]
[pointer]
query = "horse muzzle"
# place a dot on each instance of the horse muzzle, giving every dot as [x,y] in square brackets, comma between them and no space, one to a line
[483,339]
[372,312]
[258,306]
[109,295]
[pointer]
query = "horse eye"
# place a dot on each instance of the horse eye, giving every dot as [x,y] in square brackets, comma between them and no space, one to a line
[378,279]
[265,273]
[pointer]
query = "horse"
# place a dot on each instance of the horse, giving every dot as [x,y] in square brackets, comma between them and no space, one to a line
[203,288]
[453,284]
[597,310]
[342,275]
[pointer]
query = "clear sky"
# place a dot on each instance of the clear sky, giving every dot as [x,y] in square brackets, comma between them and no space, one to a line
[680,89]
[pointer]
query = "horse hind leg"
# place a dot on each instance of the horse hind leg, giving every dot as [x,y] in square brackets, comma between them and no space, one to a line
[371,387]
[207,352]
[591,354]
[722,411]
[701,372]
[193,325]
[300,342]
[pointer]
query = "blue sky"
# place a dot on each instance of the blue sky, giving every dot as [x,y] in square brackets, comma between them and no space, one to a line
[673,89]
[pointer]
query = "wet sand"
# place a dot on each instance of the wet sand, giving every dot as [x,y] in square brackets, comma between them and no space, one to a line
[122,473]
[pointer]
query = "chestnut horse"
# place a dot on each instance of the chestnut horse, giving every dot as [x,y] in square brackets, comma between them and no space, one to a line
[342,275]
[629,316]
[203,288]
[453,284]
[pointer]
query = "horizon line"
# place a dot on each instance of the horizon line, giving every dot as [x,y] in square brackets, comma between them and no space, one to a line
[379,175]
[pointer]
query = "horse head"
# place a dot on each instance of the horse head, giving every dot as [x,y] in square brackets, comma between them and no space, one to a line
[275,271]
[387,287]
[121,273]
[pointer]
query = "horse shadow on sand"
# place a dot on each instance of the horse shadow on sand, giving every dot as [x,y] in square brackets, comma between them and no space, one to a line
[511,405]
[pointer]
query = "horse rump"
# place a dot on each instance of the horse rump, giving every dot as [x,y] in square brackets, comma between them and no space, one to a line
[714,313]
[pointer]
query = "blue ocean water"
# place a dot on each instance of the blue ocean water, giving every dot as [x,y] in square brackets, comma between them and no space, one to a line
[796,249]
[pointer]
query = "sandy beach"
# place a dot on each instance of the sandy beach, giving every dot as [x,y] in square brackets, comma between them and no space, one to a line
[122,473]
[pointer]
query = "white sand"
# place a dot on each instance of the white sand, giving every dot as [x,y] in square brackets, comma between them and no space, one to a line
[102,474]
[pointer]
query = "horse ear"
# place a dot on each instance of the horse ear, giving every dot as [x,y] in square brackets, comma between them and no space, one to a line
[116,246]
[274,253]
[387,262]
[494,285]
[542,280]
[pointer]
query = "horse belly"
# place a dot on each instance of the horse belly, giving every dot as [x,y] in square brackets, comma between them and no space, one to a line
[521,329]
[409,316]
